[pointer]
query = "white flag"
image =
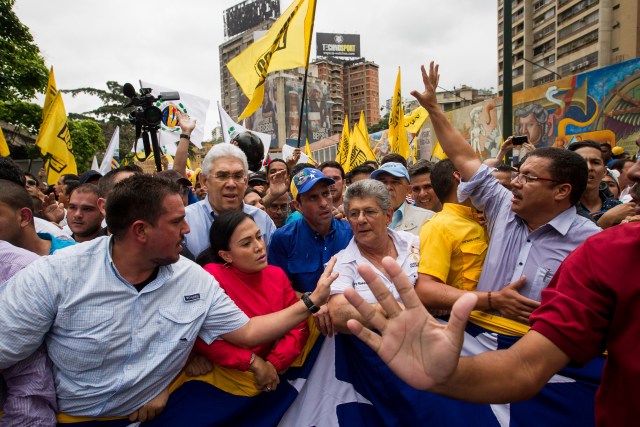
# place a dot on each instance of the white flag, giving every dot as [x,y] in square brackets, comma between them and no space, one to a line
[94,164]
[192,105]
[287,151]
[230,129]
[114,145]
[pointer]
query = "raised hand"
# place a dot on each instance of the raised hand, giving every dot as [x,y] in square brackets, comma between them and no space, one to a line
[427,98]
[320,295]
[421,351]
[186,123]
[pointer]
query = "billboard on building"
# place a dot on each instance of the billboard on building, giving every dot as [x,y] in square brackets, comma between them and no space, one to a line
[316,123]
[329,44]
[248,14]
[265,119]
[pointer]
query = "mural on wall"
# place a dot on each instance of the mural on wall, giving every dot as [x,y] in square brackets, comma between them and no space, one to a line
[317,111]
[265,119]
[601,105]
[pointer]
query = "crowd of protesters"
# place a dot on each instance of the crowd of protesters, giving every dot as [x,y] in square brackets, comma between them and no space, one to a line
[112,285]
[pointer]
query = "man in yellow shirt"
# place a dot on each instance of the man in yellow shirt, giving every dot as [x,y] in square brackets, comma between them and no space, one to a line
[452,244]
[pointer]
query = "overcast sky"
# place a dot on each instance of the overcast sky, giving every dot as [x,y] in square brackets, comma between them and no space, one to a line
[175,43]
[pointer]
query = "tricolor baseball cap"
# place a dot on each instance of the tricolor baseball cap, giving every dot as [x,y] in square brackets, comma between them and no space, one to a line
[304,181]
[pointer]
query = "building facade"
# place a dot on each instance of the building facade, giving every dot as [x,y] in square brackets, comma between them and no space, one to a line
[353,87]
[552,39]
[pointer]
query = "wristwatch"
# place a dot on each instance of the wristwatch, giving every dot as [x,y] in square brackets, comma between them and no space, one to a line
[306,299]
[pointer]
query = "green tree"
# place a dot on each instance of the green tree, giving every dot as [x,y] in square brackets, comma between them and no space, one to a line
[22,69]
[87,139]
[109,115]
[381,125]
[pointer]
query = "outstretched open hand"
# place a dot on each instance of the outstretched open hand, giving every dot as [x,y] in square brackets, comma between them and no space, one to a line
[421,351]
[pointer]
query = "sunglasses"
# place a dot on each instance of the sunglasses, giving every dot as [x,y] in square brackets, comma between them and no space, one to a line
[31,182]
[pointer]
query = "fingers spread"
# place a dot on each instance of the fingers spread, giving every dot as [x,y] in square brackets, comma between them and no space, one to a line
[460,314]
[379,289]
[366,310]
[401,281]
[365,335]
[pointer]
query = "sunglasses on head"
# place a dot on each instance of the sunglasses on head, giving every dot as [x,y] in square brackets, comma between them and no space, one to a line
[31,182]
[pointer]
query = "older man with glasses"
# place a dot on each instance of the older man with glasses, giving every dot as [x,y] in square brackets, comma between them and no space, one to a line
[532,228]
[225,171]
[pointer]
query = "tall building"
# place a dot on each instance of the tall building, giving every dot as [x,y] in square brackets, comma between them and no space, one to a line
[353,87]
[558,38]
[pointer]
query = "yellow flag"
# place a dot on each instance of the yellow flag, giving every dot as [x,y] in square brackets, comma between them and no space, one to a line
[307,151]
[55,142]
[359,148]
[284,46]
[4,147]
[415,119]
[438,152]
[50,93]
[362,125]
[398,142]
[343,145]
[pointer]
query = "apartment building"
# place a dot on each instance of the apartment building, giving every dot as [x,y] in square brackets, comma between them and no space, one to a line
[558,38]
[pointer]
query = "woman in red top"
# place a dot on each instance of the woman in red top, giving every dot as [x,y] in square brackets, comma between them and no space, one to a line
[240,266]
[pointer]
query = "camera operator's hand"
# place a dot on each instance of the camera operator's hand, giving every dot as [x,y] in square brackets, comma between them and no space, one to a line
[187,124]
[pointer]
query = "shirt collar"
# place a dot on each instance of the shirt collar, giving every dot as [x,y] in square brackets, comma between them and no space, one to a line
[403,247]
[562,222]
[459,210]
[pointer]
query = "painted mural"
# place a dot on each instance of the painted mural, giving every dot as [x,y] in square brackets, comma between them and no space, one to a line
[601,105]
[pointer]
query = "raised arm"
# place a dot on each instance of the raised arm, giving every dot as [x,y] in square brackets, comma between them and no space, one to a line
[457,148]
[426,354]
[187,125]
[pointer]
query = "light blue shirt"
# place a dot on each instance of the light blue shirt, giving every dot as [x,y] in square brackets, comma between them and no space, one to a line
[200,216]
[513,250]
[398,214]
[113,349]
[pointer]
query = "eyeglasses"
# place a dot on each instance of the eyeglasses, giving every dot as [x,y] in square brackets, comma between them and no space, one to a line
[237,177]
[279,208]
[525,179]
[368,213]
[31,182]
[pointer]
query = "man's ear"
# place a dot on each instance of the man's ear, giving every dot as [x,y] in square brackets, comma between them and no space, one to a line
[139,229]
[102,202]
[296,205]
[25,216]
[563,191]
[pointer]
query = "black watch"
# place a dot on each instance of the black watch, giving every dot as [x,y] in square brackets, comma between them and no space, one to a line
[306,299]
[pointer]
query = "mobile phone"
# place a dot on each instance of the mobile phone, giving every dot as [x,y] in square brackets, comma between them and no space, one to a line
[519,140]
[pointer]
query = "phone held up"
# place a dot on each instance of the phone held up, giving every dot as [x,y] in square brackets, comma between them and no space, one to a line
[519,140]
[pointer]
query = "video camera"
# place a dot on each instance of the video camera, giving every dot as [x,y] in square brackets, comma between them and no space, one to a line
[147,117]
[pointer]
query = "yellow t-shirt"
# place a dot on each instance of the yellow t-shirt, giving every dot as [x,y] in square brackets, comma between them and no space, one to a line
[453,246]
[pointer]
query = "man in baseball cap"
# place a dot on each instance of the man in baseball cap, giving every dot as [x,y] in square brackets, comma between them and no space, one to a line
[302,247]
[405,217]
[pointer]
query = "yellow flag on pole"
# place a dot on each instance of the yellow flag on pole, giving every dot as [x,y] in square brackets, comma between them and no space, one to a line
[438,152]
[284,46]
[55,142]
[4,147]
[343,145]
[307,151]
[359,149]
[397,135]
[415,119]
[50,93]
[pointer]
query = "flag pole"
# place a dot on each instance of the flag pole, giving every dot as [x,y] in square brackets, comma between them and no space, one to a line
[306,71]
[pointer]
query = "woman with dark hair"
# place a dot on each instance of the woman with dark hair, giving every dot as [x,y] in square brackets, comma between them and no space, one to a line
[240,266]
